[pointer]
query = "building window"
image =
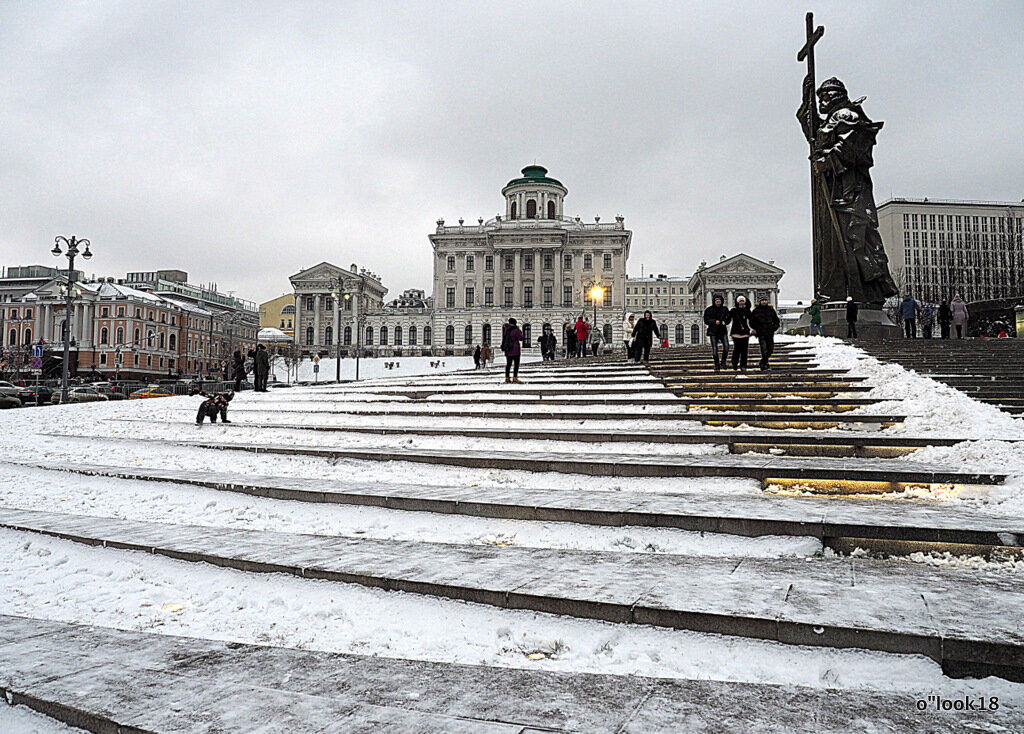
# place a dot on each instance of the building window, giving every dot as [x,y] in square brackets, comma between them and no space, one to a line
[470,263]
[547,295]
[449,335]
[162,336]
[513,210]
[412,336]
[172,342]
[12,338]
[328,303]
[103,335]
[607,261]
[451,263]
[103,360]
[588,262]
[328,336]
[694,334]
[137,337]
[105,312]
[531,209]
[383,336]
[567,262]
[310,303]
[347,335]
[549,261]
[398,336]
[509,262]
[528,296]
[120,310]
[120,337]
[427,333]
[449,297]
[566,295]
[369,336]
[680,334]
[526,335]
[489,262]
[607,333]
[508,296]
[469,334]
[469,298]
[487,334]
[528,261]
[488,295]
[551,210]
[309,335]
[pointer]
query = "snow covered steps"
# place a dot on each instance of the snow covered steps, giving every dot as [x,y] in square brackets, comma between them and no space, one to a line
[890,606]
[821,474]
[861,522]
[110,680]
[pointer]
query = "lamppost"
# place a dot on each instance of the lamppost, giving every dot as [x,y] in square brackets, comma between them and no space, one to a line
[71,246]
[596,291]
[338,297]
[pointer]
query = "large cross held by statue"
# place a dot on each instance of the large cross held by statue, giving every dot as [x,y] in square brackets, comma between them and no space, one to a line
[807,52]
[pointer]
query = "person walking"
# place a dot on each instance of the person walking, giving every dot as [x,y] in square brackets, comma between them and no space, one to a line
[485,355]
[628,322]
[238,367]
[815,311]
[764,322]
[851,317]
[643,336]
[927,321]
[548,342]
[960,314]
[716,318]
[945,319]
[909,310]
[261,367]
[740,315]
[511,345]
[596,340]
[582,334]
[570,341]
[476,357]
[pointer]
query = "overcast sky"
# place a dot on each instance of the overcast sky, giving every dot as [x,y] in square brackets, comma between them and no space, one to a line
[245,141]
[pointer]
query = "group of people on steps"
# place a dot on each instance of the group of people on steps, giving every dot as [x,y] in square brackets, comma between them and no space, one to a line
[740,322]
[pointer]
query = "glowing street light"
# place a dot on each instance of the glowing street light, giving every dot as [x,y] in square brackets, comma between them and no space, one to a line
[72,250]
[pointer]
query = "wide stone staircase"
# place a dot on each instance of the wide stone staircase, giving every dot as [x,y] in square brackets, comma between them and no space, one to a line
[989,370]
[801,450]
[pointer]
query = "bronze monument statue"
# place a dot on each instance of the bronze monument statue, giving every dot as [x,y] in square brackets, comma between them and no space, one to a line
[849,259]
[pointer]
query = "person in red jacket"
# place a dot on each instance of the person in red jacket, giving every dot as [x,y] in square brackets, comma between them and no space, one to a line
[582,334]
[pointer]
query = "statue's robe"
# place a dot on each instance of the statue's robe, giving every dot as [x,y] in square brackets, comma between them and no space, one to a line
[854,264]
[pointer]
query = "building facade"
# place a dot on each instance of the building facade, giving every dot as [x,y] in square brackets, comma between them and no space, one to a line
[939,249]
[119,331]
[279,313]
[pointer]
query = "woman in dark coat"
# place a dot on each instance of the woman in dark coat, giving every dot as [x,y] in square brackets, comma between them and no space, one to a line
[643,336]
[511,345]
[238,364]
[739,316]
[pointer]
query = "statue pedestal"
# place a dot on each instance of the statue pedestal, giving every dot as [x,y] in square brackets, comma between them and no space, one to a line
[872,323]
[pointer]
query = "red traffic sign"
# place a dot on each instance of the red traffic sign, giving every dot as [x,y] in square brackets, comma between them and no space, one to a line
[36,363]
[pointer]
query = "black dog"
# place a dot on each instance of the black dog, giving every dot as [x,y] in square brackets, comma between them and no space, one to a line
[214,405]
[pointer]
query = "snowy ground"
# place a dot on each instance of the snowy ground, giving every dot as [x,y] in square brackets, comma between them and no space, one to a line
[60,580]
[23,720]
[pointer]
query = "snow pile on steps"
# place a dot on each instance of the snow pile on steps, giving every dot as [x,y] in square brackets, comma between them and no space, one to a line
[23,720]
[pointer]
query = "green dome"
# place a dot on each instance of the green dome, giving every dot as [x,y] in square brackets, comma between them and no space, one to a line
[535,174]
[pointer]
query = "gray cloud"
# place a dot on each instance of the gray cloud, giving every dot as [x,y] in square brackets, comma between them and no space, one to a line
[245,141]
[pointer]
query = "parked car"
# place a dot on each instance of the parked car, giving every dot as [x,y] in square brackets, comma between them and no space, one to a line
[8,389]
[108,390]
[35,394]
[79,395]
[153,391]
[6,401]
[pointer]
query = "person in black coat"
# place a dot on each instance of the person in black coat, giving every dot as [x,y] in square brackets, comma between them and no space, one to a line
[261,367]
[717,318]
[570,341]
[851,318]
[238,365]
[740,315]
[945,319]
[548,342]
[643,335]
[764,322]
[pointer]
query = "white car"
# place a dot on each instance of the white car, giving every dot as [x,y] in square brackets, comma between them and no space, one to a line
[80,395]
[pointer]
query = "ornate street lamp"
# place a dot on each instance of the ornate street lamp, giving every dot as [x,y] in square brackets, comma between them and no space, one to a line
[596,291]
[71,246]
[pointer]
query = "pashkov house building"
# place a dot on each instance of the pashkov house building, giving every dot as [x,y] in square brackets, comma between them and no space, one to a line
[533,263]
